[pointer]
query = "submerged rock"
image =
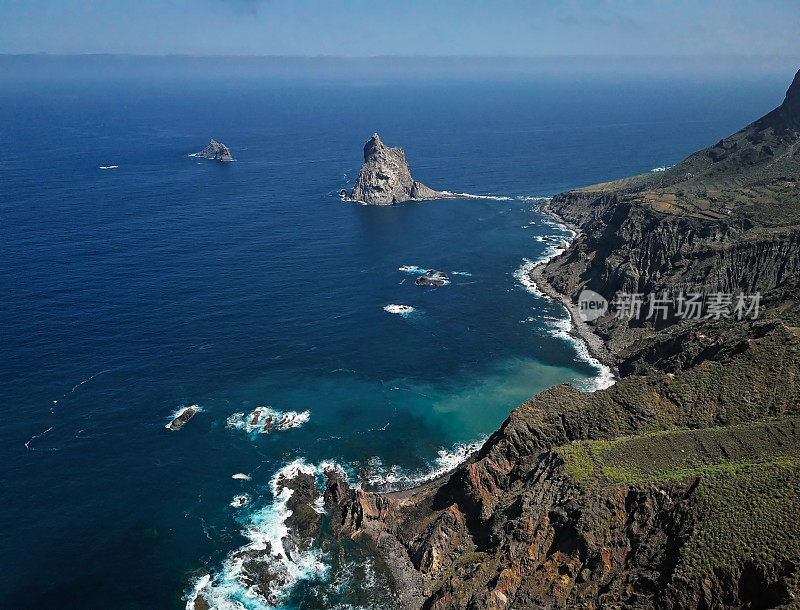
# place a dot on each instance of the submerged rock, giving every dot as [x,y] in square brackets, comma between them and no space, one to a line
[182,418]
[385,178]
[216,151]
[240,501]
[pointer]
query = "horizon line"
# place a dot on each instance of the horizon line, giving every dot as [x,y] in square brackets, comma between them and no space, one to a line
[410,56]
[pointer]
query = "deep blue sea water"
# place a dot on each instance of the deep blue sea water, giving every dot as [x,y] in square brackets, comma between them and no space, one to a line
[168,281]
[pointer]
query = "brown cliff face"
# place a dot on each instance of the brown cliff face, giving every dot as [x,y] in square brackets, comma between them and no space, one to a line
[630,248]
[678,486]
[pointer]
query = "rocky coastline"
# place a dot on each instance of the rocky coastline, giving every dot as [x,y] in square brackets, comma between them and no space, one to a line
[622,497]
[580,329]
[675,487]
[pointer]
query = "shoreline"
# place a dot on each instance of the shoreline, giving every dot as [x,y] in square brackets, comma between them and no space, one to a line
[580,330]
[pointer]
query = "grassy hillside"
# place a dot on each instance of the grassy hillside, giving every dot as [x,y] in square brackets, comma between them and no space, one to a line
[750,179]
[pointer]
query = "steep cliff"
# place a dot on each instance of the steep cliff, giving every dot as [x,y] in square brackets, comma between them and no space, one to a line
[716,222]
[385,178]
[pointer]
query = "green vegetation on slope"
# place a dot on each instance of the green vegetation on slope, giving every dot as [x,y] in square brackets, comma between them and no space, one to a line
[680,454]
[749,514]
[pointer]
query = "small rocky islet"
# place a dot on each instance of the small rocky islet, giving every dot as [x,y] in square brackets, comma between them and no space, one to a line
[182,418]
[432,278]
[385,178]
[216,151]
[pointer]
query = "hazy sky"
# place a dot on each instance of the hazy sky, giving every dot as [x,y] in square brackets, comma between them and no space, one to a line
[401,27]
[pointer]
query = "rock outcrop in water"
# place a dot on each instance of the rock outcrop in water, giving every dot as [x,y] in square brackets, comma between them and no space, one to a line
[432,278]
[182,418]
[216,151]
[385,178]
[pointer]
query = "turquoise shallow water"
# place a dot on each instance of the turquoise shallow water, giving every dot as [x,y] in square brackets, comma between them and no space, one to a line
[169,281]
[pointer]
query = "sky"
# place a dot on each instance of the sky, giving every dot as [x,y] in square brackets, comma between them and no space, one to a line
[358,28]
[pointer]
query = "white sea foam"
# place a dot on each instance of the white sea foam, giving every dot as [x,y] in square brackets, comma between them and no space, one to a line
[563,327]
[265,530]
[395,477]
[523,276]
[414,269]
[464,273]
[447,460]
[411,269]
[403,310]
[266,419]
[240,501]
[471,196]
[663,168]
[199,585]
[88,379]
[34,437]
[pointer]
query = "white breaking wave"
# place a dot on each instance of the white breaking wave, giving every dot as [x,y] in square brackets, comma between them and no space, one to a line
[240,501]
[265,530]
[523,276]
[563,327]
[471,196]
[464,273]
[266,419]
[396,477]
[403,310]
[663,168]
[411,269]
[414,269]
[108,167]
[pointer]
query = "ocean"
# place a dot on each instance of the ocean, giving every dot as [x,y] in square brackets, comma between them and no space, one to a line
[137,280]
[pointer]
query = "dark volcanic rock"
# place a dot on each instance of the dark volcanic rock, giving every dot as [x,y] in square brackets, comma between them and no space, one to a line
[432,278]
[424,280]
[216,151]
[385,178]
[182,418]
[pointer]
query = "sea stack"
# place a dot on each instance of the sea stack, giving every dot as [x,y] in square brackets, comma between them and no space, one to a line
[385,179]
[216,151]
